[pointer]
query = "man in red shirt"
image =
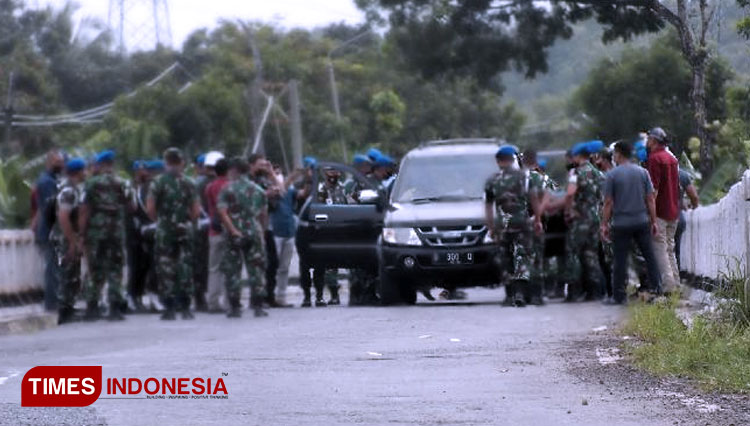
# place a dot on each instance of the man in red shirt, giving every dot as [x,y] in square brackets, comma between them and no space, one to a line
[216,295]
[664,172]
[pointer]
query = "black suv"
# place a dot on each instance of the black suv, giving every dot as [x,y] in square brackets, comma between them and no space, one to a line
[431,230]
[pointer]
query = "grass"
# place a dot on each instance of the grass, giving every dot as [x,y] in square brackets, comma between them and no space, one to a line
[714,353]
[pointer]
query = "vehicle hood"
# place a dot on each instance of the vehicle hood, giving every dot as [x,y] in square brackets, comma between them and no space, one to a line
[460,213]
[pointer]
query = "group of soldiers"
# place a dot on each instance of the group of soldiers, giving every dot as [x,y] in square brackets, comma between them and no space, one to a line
[162,218]
[521,203]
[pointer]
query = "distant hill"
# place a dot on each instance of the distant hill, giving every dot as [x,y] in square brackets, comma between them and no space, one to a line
[571,60]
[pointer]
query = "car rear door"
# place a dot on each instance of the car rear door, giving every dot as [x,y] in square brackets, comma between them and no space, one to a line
[340,235]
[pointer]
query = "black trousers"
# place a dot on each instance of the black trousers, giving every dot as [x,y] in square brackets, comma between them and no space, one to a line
[272,266]
[681,226]
[622,238]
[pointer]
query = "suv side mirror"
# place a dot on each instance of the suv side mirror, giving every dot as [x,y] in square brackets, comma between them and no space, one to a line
[368,196]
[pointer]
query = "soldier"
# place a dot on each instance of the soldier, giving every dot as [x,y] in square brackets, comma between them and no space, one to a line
[102,223]
[67,239]
[173,203]
[206,175]
[139,258]
[603,163]
[537,184]
[508,195]
[243,209]
[262,174]
[362,283]
[330,191]
[582,203]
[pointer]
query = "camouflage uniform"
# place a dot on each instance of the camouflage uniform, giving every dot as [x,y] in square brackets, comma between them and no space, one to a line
[245,202]
[537,180]
[68,199]
[363,284]
[174,196]
[335,194]
[200,245]
[510,191]
[582,239]
[272,258]
[107,197]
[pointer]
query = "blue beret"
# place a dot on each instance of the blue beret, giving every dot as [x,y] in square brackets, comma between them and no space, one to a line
[155,165]
[105,156]
[361,159]
[374,154]
[543,163]
[139,164]
[75,165]
[200,159]
[507,150]
[594,147]
[580,148]
[310,162]
[384,161]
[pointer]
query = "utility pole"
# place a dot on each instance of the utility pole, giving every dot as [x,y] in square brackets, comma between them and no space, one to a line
[296,122]
[9,112]
[335,90]
[255,96]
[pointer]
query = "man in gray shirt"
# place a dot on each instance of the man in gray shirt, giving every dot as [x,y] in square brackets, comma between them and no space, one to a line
[630,206]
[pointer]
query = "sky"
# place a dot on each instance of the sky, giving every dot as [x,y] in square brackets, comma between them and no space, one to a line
[189,15]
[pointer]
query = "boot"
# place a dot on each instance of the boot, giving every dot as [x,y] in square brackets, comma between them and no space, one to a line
[334,297]
[92,312]
[235,309]
[510,293]
[258,312]
[535,294]
[185,308]
[319,301]
[306,302]
[115,312]
[66,315]
[168,314]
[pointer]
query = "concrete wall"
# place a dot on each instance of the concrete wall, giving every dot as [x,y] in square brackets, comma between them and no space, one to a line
[21,267]
[719,233]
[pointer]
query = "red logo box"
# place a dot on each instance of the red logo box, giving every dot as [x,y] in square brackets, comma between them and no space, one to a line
[61,386]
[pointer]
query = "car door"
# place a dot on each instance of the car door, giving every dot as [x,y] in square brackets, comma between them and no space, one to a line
[341,235]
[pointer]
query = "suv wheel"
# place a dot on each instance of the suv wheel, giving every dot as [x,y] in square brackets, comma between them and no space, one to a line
[394,290]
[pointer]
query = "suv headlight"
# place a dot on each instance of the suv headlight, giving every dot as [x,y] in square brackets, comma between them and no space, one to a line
[401,236]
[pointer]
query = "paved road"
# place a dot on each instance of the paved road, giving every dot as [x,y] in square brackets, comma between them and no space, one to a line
[469,363]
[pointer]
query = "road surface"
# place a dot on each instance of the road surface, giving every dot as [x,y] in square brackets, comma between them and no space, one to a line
[434,363]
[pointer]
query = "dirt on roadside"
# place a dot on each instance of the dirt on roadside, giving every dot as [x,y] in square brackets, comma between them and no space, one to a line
[600,359]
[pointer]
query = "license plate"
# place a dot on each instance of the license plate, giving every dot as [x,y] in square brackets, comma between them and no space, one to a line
[455,258]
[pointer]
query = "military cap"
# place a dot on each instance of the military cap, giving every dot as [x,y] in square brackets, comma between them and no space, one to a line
[362,159]
[155,165]
[75,165]
[594,147]
[506,151]
[105,156]
[374,154]
[580,148]
[310,162]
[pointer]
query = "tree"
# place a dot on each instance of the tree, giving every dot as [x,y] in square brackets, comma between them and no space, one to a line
[486,37]
[642,89]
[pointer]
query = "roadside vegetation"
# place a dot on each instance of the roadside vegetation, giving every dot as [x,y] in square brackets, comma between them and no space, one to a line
[714,350]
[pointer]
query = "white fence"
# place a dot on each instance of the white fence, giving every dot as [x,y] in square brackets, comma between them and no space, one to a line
[21,266]
[717,236]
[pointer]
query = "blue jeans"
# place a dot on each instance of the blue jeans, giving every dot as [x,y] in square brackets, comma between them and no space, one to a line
[51,274]
[622,238]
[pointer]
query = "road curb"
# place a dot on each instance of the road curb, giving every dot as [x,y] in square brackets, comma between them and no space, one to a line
[27,323]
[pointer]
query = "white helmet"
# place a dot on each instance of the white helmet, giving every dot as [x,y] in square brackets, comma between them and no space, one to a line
[212,158]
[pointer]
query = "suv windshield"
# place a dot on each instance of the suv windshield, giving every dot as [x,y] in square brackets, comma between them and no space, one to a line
[443,178]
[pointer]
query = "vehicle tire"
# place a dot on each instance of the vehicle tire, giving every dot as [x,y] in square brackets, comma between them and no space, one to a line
[394,290]
[388,288]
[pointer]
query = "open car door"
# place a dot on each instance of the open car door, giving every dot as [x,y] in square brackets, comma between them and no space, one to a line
[341,235]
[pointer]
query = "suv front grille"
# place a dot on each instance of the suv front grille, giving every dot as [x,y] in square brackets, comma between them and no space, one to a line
[452,236]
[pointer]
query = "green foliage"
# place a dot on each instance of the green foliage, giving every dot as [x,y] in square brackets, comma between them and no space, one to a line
[641,90]
[715,354]
[734,288]
[14,194]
